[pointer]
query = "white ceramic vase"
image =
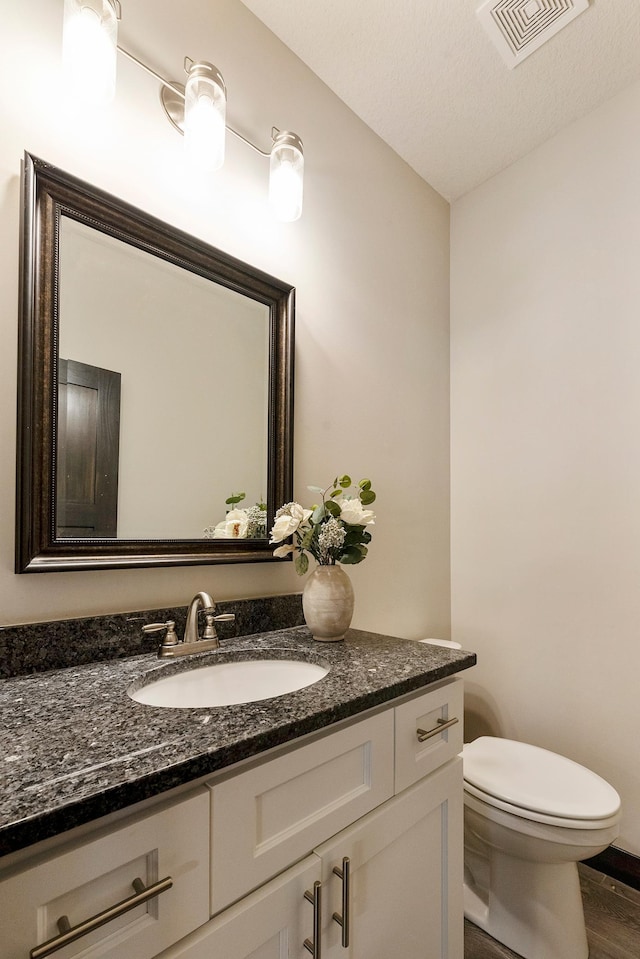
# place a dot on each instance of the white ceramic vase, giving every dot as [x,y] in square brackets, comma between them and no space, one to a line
[327,603]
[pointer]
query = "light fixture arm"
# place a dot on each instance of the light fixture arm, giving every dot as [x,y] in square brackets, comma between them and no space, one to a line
[178,90]
[263,153]
[174,87]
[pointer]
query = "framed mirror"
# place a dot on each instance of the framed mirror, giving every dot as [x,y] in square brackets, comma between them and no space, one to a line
[155,381]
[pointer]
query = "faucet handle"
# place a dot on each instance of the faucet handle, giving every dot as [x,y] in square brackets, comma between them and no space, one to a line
[210,619]
[171,638]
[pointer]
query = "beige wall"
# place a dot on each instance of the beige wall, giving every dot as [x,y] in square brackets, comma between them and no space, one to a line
[369,259]
[545,367]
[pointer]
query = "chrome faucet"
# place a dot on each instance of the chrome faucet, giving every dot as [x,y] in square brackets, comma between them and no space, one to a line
[200,600]
[192,643]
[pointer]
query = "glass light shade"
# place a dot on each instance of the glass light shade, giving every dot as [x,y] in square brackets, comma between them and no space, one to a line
[205,110]
[286,173]
[89,49]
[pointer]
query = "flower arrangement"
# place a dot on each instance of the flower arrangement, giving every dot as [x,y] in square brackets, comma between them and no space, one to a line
[247,523]
[333,531]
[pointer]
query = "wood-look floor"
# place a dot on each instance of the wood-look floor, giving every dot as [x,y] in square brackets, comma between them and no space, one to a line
[612,916]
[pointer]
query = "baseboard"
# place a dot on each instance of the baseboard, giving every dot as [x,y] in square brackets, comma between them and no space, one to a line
[619,864]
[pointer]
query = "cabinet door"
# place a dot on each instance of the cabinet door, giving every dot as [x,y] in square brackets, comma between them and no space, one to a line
[94,877]
[274,814]
[405,876]
[271,923]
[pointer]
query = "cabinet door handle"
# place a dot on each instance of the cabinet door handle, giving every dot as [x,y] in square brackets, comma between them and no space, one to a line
[69,933]
[343,920]
[424,734]
[315,897]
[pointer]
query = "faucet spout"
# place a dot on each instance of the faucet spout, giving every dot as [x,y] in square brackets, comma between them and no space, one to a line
[203,601]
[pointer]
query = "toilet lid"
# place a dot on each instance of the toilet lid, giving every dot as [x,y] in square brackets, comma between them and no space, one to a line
[532,778]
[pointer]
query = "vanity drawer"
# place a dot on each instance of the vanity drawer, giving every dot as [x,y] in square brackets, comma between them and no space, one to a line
[273,814]
[81,882]
[421,746]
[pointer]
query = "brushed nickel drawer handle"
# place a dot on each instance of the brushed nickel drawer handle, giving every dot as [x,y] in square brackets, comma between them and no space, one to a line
[69,933]
[424,734]
[344,919]
[315,897]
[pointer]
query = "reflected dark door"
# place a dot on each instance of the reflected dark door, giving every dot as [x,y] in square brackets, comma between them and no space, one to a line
[87,451]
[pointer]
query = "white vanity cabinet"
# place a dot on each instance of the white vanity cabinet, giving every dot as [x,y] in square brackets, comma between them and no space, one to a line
[274,814]
[394,872]
[363,823]
[405,859]
[404,897]
[404,872]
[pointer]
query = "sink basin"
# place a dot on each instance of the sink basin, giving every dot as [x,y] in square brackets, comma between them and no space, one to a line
[229,684]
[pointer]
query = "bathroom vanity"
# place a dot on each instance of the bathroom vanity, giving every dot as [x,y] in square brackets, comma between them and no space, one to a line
[326,822]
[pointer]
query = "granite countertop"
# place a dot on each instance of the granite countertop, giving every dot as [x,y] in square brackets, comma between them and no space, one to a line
[75,746]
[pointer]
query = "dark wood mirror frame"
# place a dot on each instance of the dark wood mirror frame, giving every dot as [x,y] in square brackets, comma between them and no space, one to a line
[48,194]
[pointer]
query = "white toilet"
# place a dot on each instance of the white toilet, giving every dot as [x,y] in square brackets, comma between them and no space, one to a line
[529,817]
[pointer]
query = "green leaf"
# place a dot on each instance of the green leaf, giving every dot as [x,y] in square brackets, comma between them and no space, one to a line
[355,535]
[307,537]
[365,484]
[353,555]
[301,564]
[345,481]
[333,508]
[367,496]
[318,514]
[335,492]
[235,498]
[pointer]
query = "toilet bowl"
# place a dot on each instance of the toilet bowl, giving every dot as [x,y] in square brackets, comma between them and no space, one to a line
[530,816]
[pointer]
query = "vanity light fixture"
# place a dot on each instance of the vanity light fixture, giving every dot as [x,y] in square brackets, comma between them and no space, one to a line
[89,45]
[205,111]
[286,168]
[197,109]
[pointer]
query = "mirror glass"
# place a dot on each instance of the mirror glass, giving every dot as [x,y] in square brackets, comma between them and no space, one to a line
[190,360]
[156,383]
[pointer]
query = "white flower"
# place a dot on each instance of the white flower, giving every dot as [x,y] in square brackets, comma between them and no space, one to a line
[351,512]
[233,526]
[333,532]
[288,520]
[283,551]
[257,521]
[330,540]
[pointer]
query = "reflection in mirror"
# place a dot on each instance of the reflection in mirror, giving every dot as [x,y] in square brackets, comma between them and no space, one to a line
[193,363]
[87,451]
[155,384]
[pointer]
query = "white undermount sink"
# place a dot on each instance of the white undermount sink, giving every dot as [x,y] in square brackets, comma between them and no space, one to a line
[228,684]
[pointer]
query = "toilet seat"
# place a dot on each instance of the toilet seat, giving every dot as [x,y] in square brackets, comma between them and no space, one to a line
[537,784]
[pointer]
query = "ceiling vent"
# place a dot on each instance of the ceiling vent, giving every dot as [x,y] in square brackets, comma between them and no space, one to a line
[518,27]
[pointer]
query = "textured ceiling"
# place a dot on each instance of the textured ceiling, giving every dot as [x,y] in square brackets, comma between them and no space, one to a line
[424,75]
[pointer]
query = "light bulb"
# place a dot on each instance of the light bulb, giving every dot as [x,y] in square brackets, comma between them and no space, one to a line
[89,49]
[283,192]
[205,104]
[286,172]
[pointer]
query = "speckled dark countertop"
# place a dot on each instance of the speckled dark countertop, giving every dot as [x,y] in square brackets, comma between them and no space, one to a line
[75,746]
